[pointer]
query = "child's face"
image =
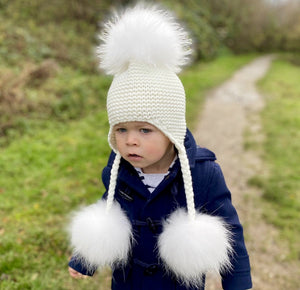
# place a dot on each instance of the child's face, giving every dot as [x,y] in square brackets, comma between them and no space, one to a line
[144,146]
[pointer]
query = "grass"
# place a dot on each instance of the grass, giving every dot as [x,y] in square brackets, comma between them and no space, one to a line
[45,175]
[281,123]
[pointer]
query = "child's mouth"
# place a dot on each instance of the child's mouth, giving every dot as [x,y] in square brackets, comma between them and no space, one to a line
[134,157]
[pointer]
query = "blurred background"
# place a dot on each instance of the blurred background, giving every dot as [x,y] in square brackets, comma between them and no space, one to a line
[53,123]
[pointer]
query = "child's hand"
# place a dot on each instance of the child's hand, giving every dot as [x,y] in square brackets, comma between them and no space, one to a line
[76,275]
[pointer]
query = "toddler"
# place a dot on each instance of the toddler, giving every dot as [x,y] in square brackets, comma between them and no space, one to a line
[166,218]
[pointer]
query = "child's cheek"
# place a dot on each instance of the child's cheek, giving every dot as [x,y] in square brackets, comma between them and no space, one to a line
[155,152]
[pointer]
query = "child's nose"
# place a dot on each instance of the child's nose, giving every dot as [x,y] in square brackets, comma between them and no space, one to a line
[132,139]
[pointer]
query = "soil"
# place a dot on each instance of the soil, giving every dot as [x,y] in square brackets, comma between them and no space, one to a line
[229,111]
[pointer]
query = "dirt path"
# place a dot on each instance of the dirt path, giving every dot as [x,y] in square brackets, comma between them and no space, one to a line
[229,111]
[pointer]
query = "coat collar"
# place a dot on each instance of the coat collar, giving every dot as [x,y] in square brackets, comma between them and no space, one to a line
[194,152]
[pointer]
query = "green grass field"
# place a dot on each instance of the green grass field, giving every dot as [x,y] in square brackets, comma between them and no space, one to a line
[281,124]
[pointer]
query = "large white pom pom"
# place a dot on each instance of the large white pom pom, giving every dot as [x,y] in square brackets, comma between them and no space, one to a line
[190,248]
[101,238]
[144,34]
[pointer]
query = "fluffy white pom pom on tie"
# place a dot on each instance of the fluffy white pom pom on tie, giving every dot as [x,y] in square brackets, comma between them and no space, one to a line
[193,247]
[101,237]
[145,34]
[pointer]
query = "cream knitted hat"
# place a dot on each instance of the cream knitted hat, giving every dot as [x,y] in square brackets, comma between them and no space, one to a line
[150,94]
[144,48]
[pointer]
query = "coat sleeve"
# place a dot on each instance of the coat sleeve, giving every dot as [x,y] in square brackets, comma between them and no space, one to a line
[219,203]
[79,266]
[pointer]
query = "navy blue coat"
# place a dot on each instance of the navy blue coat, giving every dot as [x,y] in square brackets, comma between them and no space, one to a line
[146,211]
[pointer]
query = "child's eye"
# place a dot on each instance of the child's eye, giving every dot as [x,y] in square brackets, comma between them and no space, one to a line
[121,130]
[145,130]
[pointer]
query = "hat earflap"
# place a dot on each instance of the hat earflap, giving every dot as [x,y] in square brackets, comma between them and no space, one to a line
[101,233]
[191,243]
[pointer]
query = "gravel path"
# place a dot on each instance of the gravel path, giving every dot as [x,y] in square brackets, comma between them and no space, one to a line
[231,110]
